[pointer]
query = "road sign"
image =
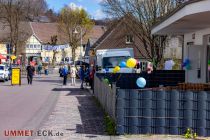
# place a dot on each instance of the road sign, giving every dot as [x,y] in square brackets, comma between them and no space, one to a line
[16,76]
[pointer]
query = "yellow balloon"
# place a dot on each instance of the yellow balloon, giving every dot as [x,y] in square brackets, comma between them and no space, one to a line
[131,63]
[13,57]
[116,69]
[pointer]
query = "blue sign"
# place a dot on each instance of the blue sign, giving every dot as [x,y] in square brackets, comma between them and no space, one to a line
[56,47]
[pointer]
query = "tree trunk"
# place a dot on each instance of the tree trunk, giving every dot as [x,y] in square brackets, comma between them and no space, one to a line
[53,60]
[73,55]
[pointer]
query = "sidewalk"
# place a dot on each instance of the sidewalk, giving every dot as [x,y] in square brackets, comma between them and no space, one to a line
[76,115]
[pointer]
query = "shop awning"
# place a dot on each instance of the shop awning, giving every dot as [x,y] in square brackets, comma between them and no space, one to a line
[2,57]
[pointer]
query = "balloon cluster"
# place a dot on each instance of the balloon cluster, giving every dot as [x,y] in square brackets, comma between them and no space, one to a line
[130,63]
[186,64]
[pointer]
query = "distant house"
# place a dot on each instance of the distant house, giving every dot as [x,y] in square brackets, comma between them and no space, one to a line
[120,35]
[192,21]
[41,38]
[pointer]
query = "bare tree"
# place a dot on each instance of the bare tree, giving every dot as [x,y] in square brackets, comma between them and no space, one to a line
[141,15]
[34,9]
[53,43]
[12,13]
[53,17]
[69,20]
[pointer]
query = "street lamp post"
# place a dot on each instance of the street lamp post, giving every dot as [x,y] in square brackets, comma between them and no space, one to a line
[76,32]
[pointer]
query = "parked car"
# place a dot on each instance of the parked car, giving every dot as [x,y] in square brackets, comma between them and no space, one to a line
[4,73]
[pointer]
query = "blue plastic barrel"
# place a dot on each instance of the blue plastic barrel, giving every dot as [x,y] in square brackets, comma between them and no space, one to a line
[134,94]
[174,122]
[146,94]
[173,130]
[120,116]
[121,103]
[146,130]
[160,122]
[147,112]
[201,131]
[160,104]
[121,93]
[120,129]
[174,113]
[147,104]
[146,122]
[160,130]
[160,113]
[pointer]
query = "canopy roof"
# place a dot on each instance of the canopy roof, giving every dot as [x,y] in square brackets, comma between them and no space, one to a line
[192,16]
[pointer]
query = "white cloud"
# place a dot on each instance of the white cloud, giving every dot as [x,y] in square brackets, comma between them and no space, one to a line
[74,6]
[99,14]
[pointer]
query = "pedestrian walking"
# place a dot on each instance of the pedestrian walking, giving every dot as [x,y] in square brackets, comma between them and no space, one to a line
[65,74]
[39,69]
[82,75]
[73,75]
[60,71]
[46,70]
[30,72]
[91,79]
[87,75]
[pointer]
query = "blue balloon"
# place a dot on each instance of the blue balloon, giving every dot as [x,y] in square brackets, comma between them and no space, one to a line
[186,61]
[141,82]
[122,64]
[107,69]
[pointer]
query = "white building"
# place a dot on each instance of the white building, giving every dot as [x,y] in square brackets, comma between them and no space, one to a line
[192,20]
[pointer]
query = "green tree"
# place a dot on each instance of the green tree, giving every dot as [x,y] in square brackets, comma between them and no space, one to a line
[71,18]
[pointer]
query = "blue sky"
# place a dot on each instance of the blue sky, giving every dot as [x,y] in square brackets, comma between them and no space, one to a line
[91,6]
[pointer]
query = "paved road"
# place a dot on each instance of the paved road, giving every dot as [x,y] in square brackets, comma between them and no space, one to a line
[25,107]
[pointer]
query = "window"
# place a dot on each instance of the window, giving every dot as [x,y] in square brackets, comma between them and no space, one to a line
[35,46]
[111,62]
[129,39]
[143,65]
[27,46]
[38,46]
[31,46]
[1,67]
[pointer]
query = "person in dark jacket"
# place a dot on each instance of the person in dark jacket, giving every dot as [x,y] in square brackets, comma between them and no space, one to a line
[65,73]
[60,71]
[30,72]
[82,75]
[92,78]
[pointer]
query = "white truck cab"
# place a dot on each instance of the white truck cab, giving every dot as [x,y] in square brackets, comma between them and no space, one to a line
[107,59]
